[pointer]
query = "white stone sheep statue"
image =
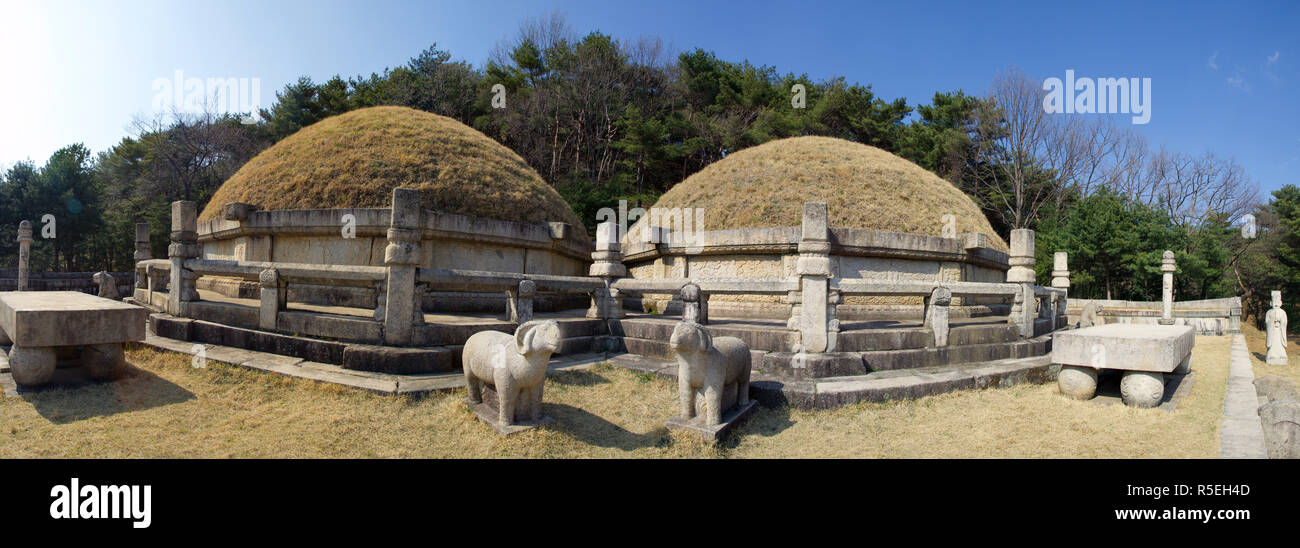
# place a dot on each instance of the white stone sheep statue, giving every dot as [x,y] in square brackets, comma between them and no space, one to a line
[107,285]
[513,365]
[717,366]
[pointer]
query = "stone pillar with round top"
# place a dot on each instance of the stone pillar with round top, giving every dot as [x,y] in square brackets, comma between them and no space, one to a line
[1167,268]
[1022,273]
[24,253]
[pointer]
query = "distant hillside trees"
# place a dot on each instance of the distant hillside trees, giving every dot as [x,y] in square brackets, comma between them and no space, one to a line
[604,119]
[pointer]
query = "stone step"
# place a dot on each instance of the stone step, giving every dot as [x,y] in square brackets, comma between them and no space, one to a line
[830,393]
[918,383]
[839,364]
[885,360]
[774,338]
[362,357]
[864,340]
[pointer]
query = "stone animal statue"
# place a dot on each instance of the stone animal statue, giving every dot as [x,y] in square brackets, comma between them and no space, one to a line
[513,365]
[717,366]
[107,285]
[1091,315]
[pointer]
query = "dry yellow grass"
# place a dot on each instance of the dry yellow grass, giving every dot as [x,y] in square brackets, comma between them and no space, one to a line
[1255,344]
[356,159]
[1024,421]
[863,187]
[169,409]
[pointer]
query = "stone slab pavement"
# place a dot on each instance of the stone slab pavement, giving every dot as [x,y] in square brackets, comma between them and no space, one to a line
[1241,435]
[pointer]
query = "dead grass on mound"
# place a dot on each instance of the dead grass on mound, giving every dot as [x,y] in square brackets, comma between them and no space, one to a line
[863,187]
[356,159]
[166,408]
[1256,346]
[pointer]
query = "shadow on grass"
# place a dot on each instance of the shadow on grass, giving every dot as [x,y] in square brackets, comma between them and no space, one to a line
[577,378]
[766,422]
[1108,389]
[71,396]
[594,430]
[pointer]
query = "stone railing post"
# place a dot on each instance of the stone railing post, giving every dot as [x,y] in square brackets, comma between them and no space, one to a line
[815,312]
[184,246]
[1022,272]
[607,264]
[936,314]
[695,307]
[519,302]
[275,296]
[1060,280]
[1167,268]
[402,256]
[24,253]
[1234,316]
[143,252]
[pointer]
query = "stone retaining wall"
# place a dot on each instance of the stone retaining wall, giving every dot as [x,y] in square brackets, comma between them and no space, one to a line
[1207,317]
[448,241]
[854,254]
[65,281]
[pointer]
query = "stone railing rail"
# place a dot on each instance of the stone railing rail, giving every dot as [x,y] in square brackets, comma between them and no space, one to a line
[346,275]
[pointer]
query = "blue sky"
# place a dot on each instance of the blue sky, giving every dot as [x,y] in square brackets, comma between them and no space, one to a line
[1225,76]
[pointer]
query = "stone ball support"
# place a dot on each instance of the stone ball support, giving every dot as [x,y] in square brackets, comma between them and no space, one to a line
[32,366]
[1142,388]
[1077,382]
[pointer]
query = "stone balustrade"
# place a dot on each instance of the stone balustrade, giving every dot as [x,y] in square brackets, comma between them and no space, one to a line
[815,290]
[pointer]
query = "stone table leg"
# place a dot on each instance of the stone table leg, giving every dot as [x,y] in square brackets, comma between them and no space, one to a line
[102,361]
[1078,382]
[32,366]
[1185,367]
[1142,388]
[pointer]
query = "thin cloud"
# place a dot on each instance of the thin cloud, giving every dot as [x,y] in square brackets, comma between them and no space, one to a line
[1239,82]
[1211,63]
[1273,58]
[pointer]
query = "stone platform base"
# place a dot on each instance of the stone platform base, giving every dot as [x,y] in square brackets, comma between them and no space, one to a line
[879,386]
[488,414]
[382,383]
[730,421]
[68,374]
